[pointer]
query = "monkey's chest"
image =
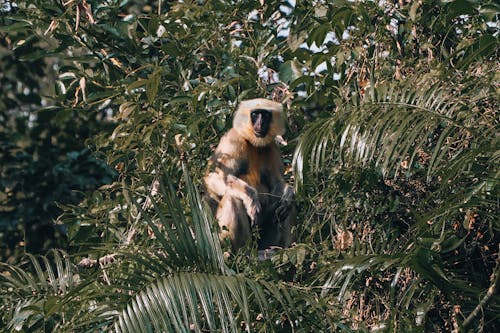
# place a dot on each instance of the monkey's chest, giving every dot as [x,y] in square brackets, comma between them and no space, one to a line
[256,170]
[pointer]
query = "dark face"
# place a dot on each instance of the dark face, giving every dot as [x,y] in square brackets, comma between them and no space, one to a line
[261,121]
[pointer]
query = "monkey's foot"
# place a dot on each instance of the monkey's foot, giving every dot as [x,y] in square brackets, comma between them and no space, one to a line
[268,253]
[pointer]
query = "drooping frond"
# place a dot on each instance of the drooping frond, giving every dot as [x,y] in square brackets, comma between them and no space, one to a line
[29,292]
[397,122]
[187,238]
[186,301]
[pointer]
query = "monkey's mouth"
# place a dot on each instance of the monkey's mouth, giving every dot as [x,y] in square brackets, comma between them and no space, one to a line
[260,134]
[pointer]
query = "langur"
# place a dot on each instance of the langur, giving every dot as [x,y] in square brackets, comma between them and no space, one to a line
[244,181]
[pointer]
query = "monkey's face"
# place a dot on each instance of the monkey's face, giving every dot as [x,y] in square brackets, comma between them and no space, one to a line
[261,122]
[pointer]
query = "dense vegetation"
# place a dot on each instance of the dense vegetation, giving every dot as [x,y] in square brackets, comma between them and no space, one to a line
[110,109]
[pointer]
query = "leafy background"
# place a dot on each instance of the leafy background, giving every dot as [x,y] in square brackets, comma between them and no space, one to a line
[109,111]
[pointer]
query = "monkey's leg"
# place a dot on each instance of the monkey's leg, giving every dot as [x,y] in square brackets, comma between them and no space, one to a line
[233,221]
[287,214]
[285,227]
[277,230]
[278,218]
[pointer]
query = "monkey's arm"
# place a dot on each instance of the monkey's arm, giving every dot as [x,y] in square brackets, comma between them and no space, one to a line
[286,201]
[284,195]
[221,186]
[283,192]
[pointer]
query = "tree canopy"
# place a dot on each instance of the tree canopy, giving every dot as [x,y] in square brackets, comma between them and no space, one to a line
[110,109]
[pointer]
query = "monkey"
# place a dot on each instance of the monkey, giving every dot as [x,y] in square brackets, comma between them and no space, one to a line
[244,180]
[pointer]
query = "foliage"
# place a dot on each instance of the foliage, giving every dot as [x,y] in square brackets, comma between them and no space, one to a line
[44,158]
[392,114]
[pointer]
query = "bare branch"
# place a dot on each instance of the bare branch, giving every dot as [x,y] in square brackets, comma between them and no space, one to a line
[495,278]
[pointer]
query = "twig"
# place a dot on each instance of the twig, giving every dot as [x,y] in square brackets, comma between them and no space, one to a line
[104,274]
[495,278]
[88,263]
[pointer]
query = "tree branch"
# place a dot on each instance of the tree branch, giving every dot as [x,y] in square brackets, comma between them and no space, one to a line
[495,278]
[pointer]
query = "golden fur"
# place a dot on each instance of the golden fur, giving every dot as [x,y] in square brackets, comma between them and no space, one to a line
[244,180]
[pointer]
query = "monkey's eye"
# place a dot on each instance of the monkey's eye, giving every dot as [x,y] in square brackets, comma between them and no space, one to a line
[266,115]
[254,115]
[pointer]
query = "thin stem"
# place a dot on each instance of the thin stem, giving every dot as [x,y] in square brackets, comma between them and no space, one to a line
[495,278]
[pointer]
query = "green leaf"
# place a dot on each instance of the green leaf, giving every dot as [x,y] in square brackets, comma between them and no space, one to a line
[15,27]
[180,100]
[318,34]
[231,92]
[289,71]
[32,56]
[171,48]
[152,85]
[483,47]
[451,243]
[460,7]
[136,84]
[307,80]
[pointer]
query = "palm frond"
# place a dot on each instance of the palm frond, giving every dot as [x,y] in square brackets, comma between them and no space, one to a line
[31,292]
[188,238]
[419,258]
[187,301]
[388,284]
[185,284]
[393,124]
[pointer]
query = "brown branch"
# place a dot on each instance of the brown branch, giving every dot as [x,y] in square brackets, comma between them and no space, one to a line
[88,263]
[495,278]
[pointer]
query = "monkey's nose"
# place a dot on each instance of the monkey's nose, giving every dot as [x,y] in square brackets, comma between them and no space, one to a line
[260,134]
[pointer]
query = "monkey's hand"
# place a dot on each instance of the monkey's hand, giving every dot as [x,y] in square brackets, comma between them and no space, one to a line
[247,194]
[286,201]
[252,205]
